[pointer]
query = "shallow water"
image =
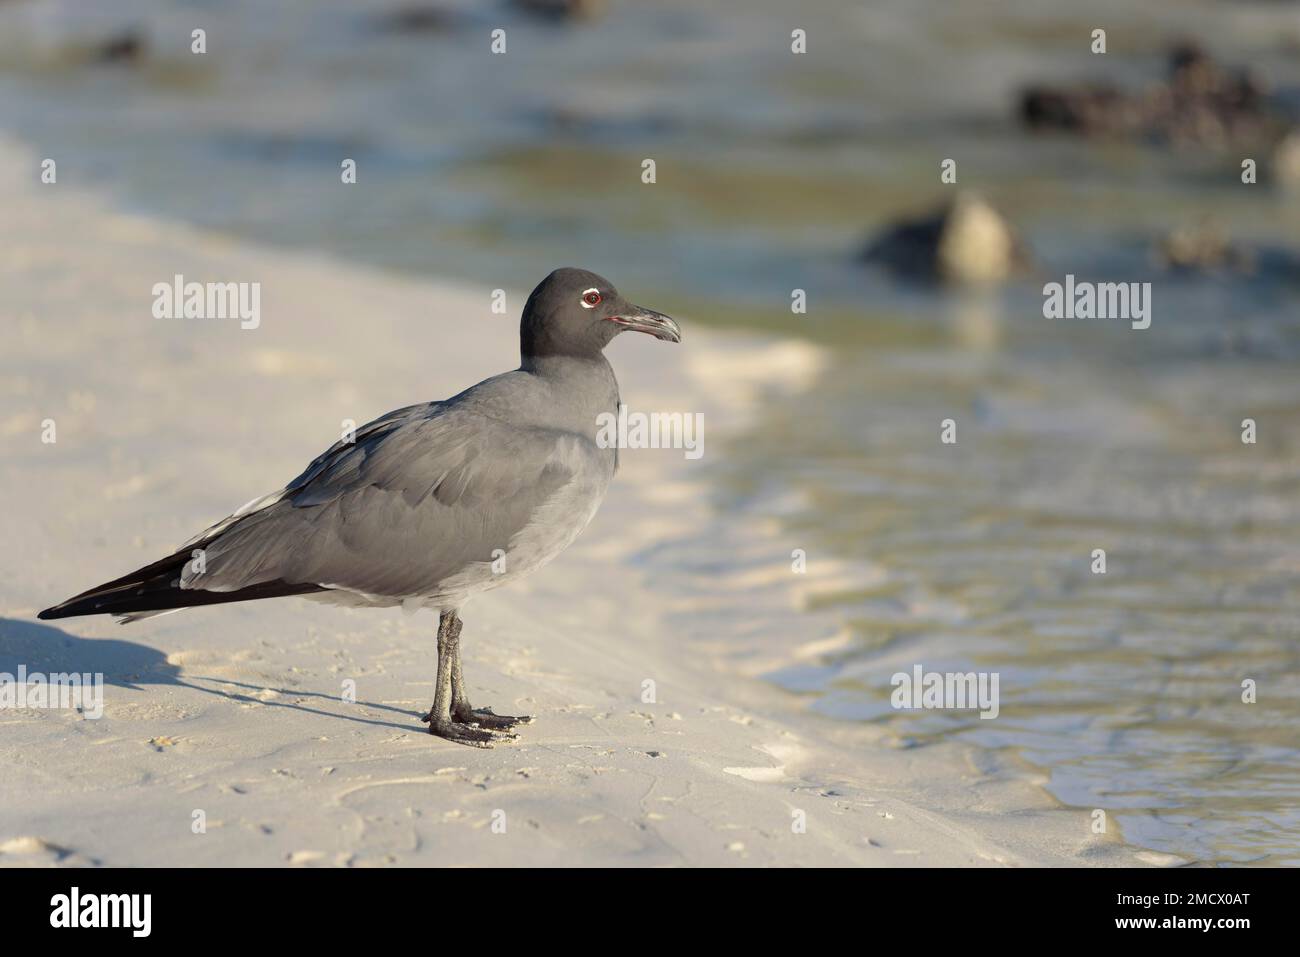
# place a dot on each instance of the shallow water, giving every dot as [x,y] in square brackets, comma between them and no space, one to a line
[772,170]
[1125,686]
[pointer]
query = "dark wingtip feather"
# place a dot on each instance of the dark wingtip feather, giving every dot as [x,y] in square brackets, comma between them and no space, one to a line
[156,587]
[163,594]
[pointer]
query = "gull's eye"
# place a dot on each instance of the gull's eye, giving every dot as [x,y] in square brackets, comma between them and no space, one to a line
[591,298]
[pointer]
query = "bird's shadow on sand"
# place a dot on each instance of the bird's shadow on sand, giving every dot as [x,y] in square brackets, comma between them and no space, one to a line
[43,649]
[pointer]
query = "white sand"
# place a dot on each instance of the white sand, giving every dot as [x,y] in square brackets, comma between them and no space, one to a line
[163,426]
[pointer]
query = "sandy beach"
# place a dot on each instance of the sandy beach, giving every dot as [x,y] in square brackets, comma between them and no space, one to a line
[239,712]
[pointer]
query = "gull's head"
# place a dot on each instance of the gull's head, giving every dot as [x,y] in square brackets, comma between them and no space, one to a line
[573,311]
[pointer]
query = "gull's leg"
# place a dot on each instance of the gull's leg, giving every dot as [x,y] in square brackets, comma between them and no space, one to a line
[462,710]
[439,716]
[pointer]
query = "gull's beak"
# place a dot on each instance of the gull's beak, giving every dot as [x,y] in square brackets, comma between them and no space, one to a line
[647,320]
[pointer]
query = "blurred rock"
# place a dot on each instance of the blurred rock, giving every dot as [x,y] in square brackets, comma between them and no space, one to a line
[1200,102]
[1284,165]
[967,241]
[1204,102]
[125,47]
[562,9]
[416,19]
[1087,110]
[1203,248]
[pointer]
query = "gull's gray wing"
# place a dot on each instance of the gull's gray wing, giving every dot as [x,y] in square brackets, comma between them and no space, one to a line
[423,494]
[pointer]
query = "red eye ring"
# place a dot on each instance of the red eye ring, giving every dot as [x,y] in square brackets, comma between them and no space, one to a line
[591,298]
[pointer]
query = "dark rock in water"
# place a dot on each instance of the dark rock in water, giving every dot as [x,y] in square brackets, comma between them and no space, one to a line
[416,20]
[433,18]
[1203,248]
[1200,102]
[1088,110]
[1204,102]
[562,9]
[967,242]
[1194,74]
[126,47]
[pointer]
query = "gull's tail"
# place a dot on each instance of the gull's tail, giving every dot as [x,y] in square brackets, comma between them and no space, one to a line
[156,588]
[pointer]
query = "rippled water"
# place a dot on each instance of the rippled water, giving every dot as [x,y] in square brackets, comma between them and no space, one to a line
[1127,686]
[772,169]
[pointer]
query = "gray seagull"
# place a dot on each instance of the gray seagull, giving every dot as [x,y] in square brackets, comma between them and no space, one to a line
[431,503]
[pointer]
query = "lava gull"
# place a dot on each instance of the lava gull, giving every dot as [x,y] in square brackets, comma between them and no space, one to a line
[429,504]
